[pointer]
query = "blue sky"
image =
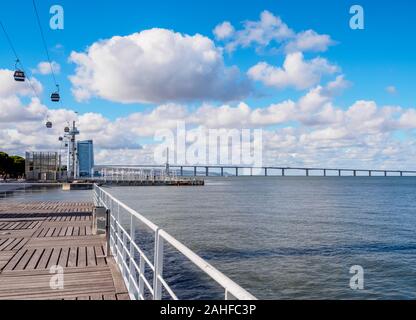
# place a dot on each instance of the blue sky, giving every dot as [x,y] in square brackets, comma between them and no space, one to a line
[374,58]
[368,62]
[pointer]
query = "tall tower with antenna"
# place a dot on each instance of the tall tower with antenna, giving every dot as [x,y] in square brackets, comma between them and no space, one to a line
[72,152]
[167,168]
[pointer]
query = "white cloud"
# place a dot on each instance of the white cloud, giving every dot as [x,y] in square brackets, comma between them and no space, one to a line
[223,30]
[156,66]
[11,92]
[268,30]
[9,87]
[296,72]
[391,89]
[408,119]
[309,41]
[44,68]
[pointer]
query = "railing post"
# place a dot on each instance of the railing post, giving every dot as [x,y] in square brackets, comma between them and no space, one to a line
[131,252]
[107,233]
[141,275]
[124,256]
[157,285]
[119,244]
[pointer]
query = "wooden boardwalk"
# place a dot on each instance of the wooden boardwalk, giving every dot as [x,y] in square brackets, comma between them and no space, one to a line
[36,236]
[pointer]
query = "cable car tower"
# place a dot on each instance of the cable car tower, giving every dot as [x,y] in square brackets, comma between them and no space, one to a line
[70,136]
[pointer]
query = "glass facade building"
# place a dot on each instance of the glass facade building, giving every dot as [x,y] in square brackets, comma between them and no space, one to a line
[43,166]
[85,152]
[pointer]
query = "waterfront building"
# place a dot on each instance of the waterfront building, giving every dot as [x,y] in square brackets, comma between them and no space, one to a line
[43,166]
[85,157]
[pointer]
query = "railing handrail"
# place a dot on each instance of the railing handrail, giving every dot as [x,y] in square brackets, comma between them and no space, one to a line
[231,288]
[228,284]
[133,212]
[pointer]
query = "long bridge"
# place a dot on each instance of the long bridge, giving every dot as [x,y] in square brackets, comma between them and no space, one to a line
[223,170]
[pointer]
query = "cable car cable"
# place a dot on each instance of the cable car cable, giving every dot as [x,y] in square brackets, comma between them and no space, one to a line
[44,41]
[55,96]
[18,61]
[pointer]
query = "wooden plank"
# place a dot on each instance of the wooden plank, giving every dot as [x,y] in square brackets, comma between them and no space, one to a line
[63,258]
[99,254]
[56,232]
[25,260]
[43,263]
[17,234]
[35,259]
[82,257]
[50,232]
[97,270]
[123,296]
[69,231]
[117,278]
[53,261]
[109,297]
[65,241]
[13,244]
[72,259]
[14,261]
[5,257]
[6,243]
[91,260]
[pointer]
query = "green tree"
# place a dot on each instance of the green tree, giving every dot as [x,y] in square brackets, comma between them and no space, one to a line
[12,166]
[5,163]
[18,167]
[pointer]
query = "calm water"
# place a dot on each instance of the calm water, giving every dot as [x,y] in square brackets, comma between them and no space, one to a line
[292,237]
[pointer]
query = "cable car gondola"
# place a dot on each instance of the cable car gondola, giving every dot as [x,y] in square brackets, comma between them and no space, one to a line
[49,125]
[55,97]
[61,139]
[66,129]
[19,75]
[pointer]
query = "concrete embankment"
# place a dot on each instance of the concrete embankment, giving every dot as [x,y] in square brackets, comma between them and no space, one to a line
[6,187]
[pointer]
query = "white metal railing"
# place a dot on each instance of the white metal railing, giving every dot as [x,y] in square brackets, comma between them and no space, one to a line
[125,249]
[130,175]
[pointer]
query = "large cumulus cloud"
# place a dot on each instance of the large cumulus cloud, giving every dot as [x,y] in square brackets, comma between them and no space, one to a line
[155,66]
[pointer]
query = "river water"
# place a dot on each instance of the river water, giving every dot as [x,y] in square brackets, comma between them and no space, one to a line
[287,237]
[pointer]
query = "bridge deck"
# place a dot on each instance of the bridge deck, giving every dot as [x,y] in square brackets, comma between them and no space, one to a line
[38,235]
